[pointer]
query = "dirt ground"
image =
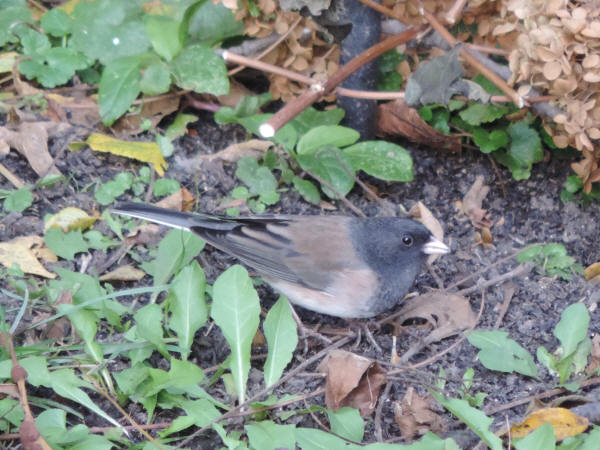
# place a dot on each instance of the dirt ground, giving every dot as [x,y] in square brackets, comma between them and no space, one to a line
[525,212]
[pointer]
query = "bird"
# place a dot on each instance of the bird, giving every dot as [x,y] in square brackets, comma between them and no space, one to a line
[342,266]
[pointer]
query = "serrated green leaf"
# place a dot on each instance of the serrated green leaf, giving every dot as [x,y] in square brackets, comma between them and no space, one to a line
[572,327]
[381,159]
[12,14]
[56,22]
[198,68]
[258,179]
[109,191]
[18,200]
[65,245]
[478,113]
[326,135]
[235,310]
[498,352]
[187,305]
[119,87]
[333,166]
[281,333]
[165,186]
[525,146]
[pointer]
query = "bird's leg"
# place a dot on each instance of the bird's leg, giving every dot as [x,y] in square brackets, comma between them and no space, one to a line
[305,331]
[363,327]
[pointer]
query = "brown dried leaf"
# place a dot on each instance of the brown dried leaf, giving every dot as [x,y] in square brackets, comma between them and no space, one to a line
[397,118]
[182,200]
[255,148]
[124,273]
[31,140]
[592,272]
[352,380]
[415,416]
[19,252]
[472,202]
[448,313]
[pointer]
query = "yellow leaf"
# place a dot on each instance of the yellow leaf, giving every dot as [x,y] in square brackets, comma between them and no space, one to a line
[124,273]
[564,422]
[7,60]
[18,252]
[142,151]
[592,272]
[70,219]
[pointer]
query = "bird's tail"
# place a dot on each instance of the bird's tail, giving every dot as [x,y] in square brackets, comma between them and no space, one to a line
[171,218]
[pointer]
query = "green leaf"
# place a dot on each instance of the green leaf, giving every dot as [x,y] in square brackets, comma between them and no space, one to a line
[156,79]
[529,253]
[236,309]
[66,384]
[12,14]
[179,126]
[165,186]
[333,166]
[547,359]
[55,66]
[64,244]
[106,30]
[198,68]
[525,146]
[281,333]
[476,420]
[164,35]
[500,353]
[57,23]
[258,179]
[381,159]
[109,191]
[18,200]
[188,307]
[488,142]
[119,87]
[478,113]
[326,135]
[347,423]
[315,439]
[542,438]
[176,250]
[267,435]
[212,23]
[148,321]
[311,118]
[572,328]
[307,190]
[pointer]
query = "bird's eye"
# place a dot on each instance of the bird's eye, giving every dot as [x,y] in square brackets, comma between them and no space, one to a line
[407,240]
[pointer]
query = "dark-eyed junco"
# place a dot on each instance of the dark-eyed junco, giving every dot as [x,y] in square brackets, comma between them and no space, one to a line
[342,266]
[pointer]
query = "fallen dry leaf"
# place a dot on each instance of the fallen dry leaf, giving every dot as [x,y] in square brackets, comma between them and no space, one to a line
[414,416]
[484,238]
[19,252]
[352,380]
[31,140]
[423,215]
[182,200]
[69,219]
[154,111]
[398,119]
[255,148]
[448,313]
[564,422]
[124,273]
[471,204]
[142,151]
[592,272]
[594,361]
